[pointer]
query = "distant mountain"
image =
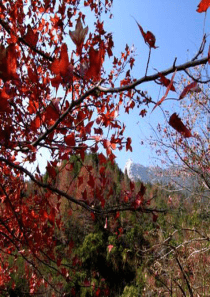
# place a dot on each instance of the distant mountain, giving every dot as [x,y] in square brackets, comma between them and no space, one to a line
[181,179]
[136,172]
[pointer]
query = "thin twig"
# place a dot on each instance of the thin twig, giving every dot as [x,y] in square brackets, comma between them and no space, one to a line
[148,61]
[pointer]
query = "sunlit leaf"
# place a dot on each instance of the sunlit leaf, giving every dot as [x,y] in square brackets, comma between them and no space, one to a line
[78,35]
[203,5]
[96,58]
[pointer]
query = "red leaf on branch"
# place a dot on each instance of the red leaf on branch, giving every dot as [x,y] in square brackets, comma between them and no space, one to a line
[36,123]
[4,96]
[56,81]
[165,82]
[70,139]
[33,106]
[96,58]
[51,170]
[143,113]
[128,144]
[102,159]
[31,37]
[62,66]
[149,37]
[166,93]
[177,124]
[78,35]
[190,88]
[203,5]
[32,75]
[88,127]
[52,112]
[8,62]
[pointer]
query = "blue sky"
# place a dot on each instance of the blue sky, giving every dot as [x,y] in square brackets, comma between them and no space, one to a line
[179,30]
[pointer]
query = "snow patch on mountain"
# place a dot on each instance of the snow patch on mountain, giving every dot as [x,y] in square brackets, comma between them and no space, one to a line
[139,172]
[156,174]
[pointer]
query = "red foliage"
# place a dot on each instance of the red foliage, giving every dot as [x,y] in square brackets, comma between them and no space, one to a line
[78,36]
[177,124]
[62,68]
[203,5]
[8,62]
[128,144]
[190,88]
[149,37]
[70,139]
[166,82]
[96,58]
[31,36]
[170,85]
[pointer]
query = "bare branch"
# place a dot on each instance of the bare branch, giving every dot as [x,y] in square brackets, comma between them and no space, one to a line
[153,77]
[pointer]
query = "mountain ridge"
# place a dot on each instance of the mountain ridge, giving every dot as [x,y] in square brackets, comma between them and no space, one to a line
[180,178]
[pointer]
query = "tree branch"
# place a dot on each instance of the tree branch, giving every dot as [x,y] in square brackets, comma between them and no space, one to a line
[22,40]
[154,76]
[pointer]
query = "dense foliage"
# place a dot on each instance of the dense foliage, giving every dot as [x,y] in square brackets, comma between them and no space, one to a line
[82,229]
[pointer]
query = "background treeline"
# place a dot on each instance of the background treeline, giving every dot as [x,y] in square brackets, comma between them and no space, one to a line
[129,253]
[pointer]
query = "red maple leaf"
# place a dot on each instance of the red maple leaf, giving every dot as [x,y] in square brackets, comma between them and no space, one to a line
[78,35]
[96,58]
[70,139]
[61,66]
[33,106]
[143,113]
[128,144]
[51,113]
[190,88]
[177,124]
[203,5]
[8,62]
[31,37]
[166,93]
[149,37]
[88,127]
[4,97]
[165,82]
[102,159]
[51,170]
